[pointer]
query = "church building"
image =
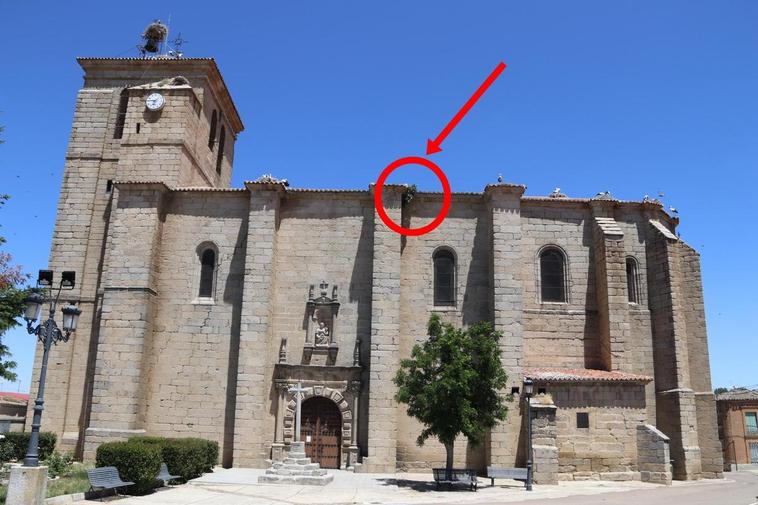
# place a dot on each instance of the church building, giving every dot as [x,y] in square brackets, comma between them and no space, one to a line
[204,305]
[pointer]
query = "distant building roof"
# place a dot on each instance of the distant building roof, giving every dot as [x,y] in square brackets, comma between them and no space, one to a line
[7,395]
[582,375]
[738,394]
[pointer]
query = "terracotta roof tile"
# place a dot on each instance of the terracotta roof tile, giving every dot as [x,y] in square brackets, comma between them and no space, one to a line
[209,189]
[582,375]
[738,394]
[17,396]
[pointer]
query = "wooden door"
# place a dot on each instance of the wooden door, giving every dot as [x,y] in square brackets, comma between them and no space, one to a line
[321,430]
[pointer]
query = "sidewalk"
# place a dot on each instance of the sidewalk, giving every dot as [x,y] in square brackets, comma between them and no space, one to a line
[238,486]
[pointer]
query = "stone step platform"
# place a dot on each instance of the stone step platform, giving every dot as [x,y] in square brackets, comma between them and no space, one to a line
[289,466]
[321,480]
[297,461]
[296,469]
[315,472]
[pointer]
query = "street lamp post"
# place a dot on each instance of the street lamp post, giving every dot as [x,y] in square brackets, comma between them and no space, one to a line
[528,390]
[48,334]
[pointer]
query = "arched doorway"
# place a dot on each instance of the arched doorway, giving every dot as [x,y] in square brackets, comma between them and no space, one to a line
[321,430]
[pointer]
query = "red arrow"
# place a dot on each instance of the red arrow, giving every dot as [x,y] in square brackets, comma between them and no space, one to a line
[433,146]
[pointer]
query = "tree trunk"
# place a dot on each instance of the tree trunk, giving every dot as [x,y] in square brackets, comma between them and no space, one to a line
[449,461]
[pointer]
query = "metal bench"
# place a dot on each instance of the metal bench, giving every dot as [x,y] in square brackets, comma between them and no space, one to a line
[506,473]
[165,476]
[106,477]
[455,476]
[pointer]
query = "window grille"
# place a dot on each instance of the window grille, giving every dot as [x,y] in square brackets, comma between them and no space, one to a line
[553,276]
[444,277]
[207,273]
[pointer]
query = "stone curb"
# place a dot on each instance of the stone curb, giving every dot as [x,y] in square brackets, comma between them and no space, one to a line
[64,498]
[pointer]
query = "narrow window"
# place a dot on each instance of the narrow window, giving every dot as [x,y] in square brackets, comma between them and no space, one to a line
[632,286]
[123,103]
[753,452]
[221,142]
[109,185]
[212,136]
[514,390]
[553,276]
[207,272]
[582,420]
[751,422]
[444,277]
[541,391]
[137,128]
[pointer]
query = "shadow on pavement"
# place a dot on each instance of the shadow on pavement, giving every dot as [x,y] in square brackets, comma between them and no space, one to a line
[422,486]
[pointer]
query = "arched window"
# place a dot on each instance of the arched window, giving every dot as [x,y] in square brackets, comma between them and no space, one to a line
[212,136]
[632,281]
[207,273]
[221,142]
[444,277]
[553,275]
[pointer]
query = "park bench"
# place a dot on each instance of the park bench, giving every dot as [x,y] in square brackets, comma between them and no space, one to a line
[455,476]
[506,473]
[106,477]
[165,476]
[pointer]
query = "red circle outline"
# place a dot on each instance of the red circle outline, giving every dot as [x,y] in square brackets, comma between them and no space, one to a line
[446,195]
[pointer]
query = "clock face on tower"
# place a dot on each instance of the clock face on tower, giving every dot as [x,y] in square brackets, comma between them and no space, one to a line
[155,101]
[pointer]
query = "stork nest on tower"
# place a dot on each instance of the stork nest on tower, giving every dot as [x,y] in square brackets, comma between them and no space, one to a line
[155,33]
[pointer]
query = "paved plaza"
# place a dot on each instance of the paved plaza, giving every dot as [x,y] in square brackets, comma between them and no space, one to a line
[239,486]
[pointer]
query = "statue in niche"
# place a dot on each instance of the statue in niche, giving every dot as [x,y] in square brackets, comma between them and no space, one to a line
[322,334]
[322,313]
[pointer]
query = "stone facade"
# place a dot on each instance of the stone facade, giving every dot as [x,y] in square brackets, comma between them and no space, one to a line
[168,345]
[653,455]
[737,413]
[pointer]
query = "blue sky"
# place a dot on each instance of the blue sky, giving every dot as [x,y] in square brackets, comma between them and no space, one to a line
[628,96]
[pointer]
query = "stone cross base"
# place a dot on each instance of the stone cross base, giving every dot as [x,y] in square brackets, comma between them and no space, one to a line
[296,469]
[27,486]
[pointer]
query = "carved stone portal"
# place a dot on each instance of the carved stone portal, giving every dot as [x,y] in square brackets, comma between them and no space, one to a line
[339,385]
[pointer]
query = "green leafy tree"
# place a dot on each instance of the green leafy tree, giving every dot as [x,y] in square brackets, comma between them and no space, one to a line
[452,383]
[718,391]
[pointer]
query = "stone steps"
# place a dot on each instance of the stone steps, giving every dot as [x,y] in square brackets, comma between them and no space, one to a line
[297,461]
[287,466]
[296,471]
[321,480]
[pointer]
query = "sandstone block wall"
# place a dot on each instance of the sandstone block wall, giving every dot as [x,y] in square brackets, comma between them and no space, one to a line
[384,355]
[607,449]
[324,239]
[506,227]
[251,446]
[545,459]
[120,377]
[464,233]
[572,326]
[190,384]
[653,456]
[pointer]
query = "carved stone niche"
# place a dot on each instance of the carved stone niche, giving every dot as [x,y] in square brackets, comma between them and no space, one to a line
[321,313]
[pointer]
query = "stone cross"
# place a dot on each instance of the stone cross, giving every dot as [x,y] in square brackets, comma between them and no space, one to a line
[298,392]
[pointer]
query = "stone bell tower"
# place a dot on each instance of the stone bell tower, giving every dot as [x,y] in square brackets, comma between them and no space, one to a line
[159,120]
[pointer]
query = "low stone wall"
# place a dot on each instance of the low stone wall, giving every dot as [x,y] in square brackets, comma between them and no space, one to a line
[653,455]
[605,447]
